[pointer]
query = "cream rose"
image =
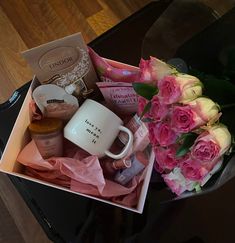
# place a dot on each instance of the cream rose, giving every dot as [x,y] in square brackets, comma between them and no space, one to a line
[179,88]
[212,144]
[196,113]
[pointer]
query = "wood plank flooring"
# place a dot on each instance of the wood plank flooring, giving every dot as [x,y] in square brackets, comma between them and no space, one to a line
[28,23]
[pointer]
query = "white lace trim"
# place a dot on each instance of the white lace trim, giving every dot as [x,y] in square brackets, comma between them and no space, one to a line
[79,71]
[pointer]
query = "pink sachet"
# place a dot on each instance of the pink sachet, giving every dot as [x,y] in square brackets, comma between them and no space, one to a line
[120,97]
[112,71]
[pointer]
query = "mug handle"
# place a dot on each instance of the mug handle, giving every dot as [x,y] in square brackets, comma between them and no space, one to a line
[126,148]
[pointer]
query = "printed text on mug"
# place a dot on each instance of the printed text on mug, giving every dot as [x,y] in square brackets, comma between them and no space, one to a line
[93,130]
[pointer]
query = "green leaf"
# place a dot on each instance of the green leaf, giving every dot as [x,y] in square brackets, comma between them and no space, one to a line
[198,188]
[146,119]
[187,141]
[145,90]
[146,109]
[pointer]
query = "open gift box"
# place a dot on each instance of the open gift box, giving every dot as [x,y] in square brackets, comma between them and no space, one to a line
[20,137]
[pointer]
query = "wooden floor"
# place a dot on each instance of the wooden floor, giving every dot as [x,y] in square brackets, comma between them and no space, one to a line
[28,23]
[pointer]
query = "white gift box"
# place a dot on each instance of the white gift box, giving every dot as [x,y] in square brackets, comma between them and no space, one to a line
[20,137]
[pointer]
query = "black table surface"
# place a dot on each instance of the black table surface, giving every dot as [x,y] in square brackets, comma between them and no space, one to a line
[66,217]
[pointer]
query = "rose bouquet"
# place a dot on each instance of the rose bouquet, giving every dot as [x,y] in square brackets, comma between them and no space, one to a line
[185,131]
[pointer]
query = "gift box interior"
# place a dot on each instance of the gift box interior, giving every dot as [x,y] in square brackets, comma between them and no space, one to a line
[41,199]
[20,137]
[189,52]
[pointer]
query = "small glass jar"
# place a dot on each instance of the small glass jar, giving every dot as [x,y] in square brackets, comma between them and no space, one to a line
[48,137]
[139,161]
[110,168]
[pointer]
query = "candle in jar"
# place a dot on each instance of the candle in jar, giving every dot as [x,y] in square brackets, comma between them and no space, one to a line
[48,137]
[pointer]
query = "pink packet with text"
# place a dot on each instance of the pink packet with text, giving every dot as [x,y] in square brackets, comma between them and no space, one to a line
[140,133]
[120,97]
[141,138]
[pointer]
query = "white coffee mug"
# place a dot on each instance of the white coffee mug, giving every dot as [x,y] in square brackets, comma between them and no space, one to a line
[94,129]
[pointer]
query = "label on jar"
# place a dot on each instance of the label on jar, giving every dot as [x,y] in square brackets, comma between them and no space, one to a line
[50,146]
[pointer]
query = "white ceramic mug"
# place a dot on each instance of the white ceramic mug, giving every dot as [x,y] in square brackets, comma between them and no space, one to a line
[94,128]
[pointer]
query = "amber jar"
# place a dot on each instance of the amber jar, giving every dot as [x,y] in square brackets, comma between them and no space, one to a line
[48,137]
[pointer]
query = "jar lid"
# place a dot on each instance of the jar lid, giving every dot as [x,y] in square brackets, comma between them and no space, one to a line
[46,125]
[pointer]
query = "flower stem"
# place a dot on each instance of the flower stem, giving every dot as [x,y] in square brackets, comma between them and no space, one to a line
[227,106]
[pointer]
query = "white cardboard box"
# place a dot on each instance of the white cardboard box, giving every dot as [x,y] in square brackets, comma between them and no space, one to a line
[20,137]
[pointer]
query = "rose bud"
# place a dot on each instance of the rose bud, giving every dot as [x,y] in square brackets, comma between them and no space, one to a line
[211,145]
[153,70]
[193,115]
[179,88]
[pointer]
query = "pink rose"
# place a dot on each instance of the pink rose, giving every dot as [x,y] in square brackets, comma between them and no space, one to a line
[165,158]
[193,115]
[183,119]
[158,111]
[193,169]
[164,133]
[211,145]
[157,167]
[180,88]
[161,133]
[205,151]
[153,70]
[178,183]
[152,137]
[169,90]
